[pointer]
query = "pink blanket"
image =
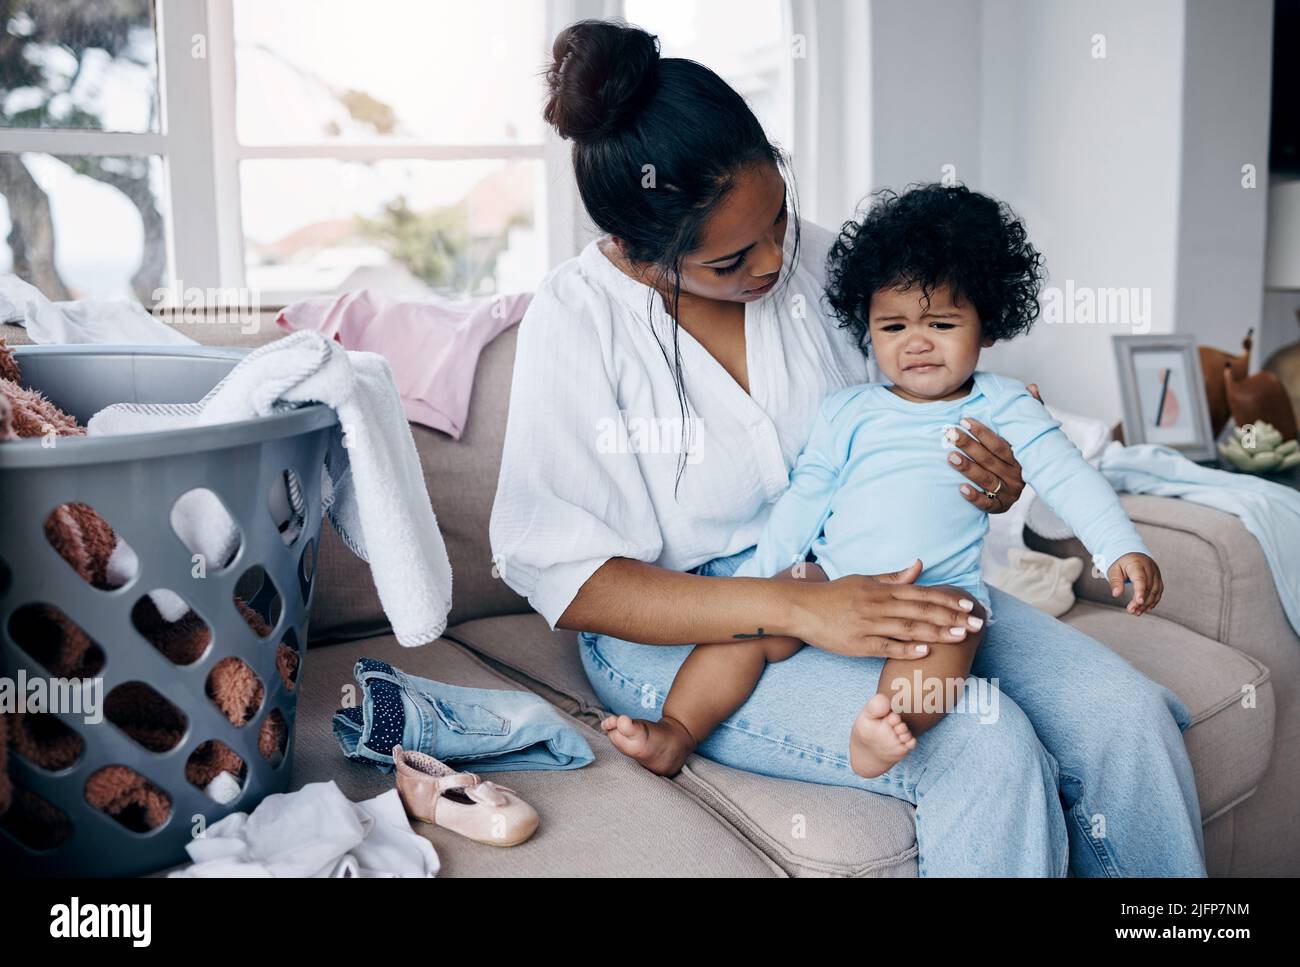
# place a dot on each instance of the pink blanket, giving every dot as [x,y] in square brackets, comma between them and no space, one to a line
[432,346]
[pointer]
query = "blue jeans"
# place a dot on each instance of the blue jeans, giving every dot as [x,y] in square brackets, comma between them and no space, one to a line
[492,730]
[1082,769]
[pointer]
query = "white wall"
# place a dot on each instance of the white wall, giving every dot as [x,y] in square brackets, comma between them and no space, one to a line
[1127,167]
[1227,77]
[1087,150]
[925,91]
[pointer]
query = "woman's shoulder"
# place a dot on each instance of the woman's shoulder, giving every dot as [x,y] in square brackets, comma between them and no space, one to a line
[574,297]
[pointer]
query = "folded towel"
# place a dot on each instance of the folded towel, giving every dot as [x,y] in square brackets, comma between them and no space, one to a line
[59,323]
[313,832]
[433,345]
[375,494]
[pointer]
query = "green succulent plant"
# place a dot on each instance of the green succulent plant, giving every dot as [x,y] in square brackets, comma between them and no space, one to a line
[1266,452]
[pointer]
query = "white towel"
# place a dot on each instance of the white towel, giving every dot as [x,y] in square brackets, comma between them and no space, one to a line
[375,494]
[58,323]
[313,832]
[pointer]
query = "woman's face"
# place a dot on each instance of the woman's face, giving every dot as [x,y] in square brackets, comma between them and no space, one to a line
[740,255]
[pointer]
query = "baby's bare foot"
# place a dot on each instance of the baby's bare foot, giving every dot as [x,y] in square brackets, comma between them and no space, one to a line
[880,738]
[661,747]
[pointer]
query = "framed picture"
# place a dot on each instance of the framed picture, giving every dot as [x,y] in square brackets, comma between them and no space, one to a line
[1163,393]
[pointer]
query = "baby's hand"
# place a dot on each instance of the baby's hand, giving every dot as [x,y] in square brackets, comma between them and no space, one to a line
[1148,585]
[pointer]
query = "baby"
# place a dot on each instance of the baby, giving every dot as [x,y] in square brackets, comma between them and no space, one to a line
[923,282]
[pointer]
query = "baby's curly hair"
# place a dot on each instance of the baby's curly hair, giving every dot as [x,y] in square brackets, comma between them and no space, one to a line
[928,236]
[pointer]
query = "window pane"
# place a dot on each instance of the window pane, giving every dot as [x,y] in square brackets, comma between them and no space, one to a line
[745,42]
[440,71]
[407,228]
[79,64]
[81,227]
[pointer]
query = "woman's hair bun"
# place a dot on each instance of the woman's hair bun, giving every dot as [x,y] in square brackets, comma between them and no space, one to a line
[601,73]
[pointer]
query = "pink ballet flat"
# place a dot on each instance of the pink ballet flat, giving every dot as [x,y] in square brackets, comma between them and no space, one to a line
[483,811]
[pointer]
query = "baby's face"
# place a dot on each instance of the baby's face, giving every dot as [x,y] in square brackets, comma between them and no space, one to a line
[928,351]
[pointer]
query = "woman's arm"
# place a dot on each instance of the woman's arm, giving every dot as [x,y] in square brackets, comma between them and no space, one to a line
[885,616]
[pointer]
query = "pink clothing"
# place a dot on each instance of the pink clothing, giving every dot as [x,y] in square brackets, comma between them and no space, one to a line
[432,346]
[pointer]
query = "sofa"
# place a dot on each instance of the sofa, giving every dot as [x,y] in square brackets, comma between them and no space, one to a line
[1220,640]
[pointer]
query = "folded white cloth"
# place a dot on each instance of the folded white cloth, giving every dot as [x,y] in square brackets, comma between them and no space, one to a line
[375,494]
[57,323]
[313,832]
[1041,580]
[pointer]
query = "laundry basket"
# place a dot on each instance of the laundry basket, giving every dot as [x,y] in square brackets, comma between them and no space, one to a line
[133,482]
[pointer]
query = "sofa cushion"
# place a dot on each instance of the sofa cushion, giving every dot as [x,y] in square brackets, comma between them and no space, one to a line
[462,478]
[609,818]
[845,832]
[1213,554]
[810,830]
[1230,740]
[345,604]
[525,649]
[837,832]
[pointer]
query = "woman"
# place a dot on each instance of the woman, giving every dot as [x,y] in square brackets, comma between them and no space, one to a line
[633,483]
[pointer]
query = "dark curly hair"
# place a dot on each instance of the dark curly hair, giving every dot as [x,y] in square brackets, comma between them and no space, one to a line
[933,235]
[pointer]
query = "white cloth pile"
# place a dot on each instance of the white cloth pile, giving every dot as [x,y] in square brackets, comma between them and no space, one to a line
[313,832]
[60,323]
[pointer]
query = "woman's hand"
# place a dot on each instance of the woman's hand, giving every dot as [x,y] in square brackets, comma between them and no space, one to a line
[884,616]
[989,463]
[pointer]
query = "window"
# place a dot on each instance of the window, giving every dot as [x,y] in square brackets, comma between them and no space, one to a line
[285,148]
[82,206]
[397,145]
[747,43]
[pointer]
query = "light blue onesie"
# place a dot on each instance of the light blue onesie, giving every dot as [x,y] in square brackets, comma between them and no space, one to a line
[872,489]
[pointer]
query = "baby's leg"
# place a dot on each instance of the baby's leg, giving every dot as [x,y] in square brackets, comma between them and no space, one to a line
[913,696]
[711,684]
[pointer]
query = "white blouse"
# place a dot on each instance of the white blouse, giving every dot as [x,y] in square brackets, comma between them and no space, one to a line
[594,436]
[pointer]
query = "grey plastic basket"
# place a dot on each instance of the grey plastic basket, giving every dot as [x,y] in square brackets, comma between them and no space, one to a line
[132,481]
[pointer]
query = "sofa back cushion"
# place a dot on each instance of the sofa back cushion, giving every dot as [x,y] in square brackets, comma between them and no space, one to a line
[462,479]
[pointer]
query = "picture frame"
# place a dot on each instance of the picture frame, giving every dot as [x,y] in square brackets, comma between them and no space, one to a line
[1162,390]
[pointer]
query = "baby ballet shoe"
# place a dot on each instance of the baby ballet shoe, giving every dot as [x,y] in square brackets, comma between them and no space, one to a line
[477,809]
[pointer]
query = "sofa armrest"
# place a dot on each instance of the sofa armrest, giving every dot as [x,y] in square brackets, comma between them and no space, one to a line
[1217,580]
